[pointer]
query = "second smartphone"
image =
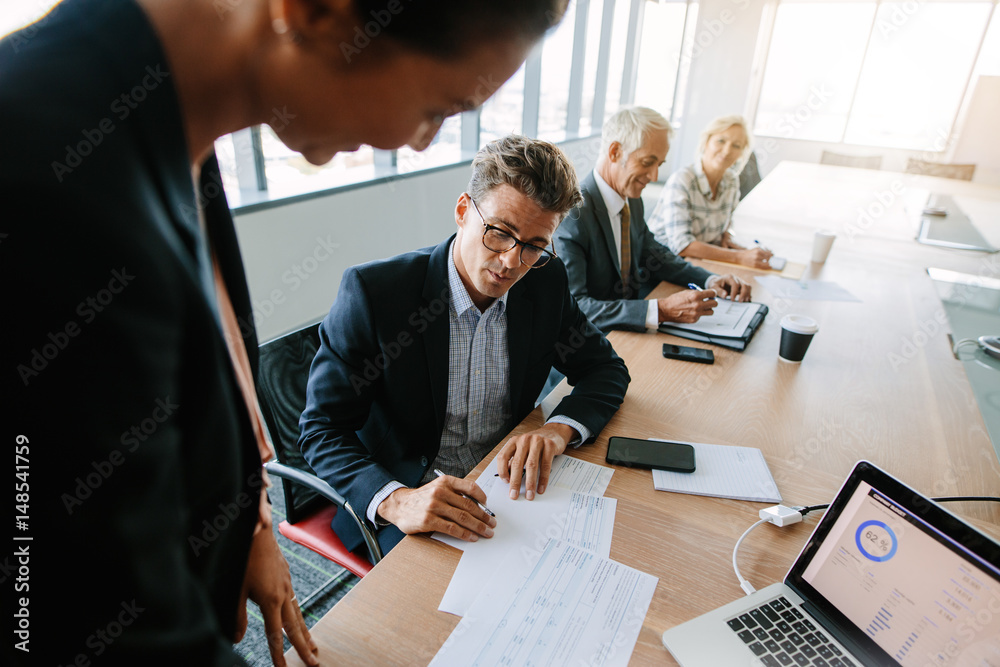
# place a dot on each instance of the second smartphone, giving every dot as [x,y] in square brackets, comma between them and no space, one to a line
[685,353]
[655,454]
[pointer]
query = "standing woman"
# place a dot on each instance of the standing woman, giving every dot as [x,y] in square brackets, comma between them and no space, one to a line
[695,211]
[128,349]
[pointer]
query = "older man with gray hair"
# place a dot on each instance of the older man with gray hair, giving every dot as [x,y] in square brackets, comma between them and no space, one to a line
[611,256]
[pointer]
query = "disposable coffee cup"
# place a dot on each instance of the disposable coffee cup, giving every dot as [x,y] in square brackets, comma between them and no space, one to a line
[822,243]
[797,332]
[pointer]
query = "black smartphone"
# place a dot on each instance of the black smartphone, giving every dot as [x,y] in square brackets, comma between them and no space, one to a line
[685,353]
[636,453]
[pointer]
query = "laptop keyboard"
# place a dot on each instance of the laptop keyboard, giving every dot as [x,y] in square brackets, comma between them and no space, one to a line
[780,635]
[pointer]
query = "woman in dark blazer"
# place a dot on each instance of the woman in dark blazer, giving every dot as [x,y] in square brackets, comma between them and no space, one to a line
[121,271]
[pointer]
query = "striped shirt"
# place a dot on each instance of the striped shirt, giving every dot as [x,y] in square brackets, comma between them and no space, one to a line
[686,210]
[478,411]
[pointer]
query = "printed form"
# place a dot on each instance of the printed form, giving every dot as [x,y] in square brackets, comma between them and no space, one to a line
[571,607]
[523,529]
[568,473]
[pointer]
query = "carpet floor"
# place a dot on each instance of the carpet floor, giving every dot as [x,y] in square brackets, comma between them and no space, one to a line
[309,573]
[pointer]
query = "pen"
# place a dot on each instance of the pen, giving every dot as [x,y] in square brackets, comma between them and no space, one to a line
[481,506]
[693,286]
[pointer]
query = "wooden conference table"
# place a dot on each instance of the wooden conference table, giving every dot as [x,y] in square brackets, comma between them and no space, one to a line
[861,392]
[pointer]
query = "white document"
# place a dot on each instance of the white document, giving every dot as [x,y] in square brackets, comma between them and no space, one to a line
[571,608]
[568,473]
[723,471]
[523,529]
[730,319]
[806,290]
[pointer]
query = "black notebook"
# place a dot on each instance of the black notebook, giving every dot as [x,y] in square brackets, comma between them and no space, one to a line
[732,325]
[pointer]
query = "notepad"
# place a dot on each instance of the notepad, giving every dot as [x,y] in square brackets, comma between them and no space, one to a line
[723,471]
[732,325]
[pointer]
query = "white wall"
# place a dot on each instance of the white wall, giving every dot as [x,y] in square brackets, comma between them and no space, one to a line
[720,69]
[296,254]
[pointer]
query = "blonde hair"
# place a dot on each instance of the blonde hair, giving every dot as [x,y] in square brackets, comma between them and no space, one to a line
[630,127]
[721,124]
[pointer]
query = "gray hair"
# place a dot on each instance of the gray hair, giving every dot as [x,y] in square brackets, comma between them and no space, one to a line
[721,124]
[630,127]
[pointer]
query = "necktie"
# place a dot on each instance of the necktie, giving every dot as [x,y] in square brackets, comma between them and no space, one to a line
[626,249]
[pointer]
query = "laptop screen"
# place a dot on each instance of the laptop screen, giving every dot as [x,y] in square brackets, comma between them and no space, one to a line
[907,575]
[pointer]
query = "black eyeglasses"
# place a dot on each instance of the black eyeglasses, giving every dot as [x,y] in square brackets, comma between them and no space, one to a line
[499,241]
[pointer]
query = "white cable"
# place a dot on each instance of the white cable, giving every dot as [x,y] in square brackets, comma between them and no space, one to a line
[964,341]
[744,584]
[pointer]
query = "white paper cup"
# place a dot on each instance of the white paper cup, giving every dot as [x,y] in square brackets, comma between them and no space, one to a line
[822,243]
[797,332]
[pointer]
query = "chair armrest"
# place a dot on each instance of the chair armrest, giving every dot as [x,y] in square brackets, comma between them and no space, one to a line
[325,490]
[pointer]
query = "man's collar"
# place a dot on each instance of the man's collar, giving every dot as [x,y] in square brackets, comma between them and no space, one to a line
[614,201]
[460,299]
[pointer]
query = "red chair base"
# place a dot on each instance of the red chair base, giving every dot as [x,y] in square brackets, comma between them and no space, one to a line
[314,533]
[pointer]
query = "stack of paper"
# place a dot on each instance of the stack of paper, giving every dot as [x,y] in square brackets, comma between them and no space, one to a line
[723,471]
[542,590]
[569,607]
[523,529]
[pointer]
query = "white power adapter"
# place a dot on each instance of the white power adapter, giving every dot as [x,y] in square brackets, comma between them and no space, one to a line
[781,516]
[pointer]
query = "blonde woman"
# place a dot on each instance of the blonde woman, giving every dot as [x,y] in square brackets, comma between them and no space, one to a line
[695,211]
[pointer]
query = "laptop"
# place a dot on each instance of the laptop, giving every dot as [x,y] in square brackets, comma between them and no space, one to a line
[888,577]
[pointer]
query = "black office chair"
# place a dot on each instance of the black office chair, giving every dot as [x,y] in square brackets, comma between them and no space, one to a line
[749,176]
[310,502]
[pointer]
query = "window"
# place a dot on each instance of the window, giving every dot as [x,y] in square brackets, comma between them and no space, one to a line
[286,168]
[501,114]
[557,64]
[889,74]
[616,64]
[445,149]
[660,54]
[595,17]
[815,58]
[553,96]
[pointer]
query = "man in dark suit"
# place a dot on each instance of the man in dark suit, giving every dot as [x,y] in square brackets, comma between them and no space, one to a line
[609,231]
[428,359]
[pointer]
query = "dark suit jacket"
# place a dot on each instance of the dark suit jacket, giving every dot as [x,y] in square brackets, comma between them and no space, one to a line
[586,244]
[378,387]
[143,472]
